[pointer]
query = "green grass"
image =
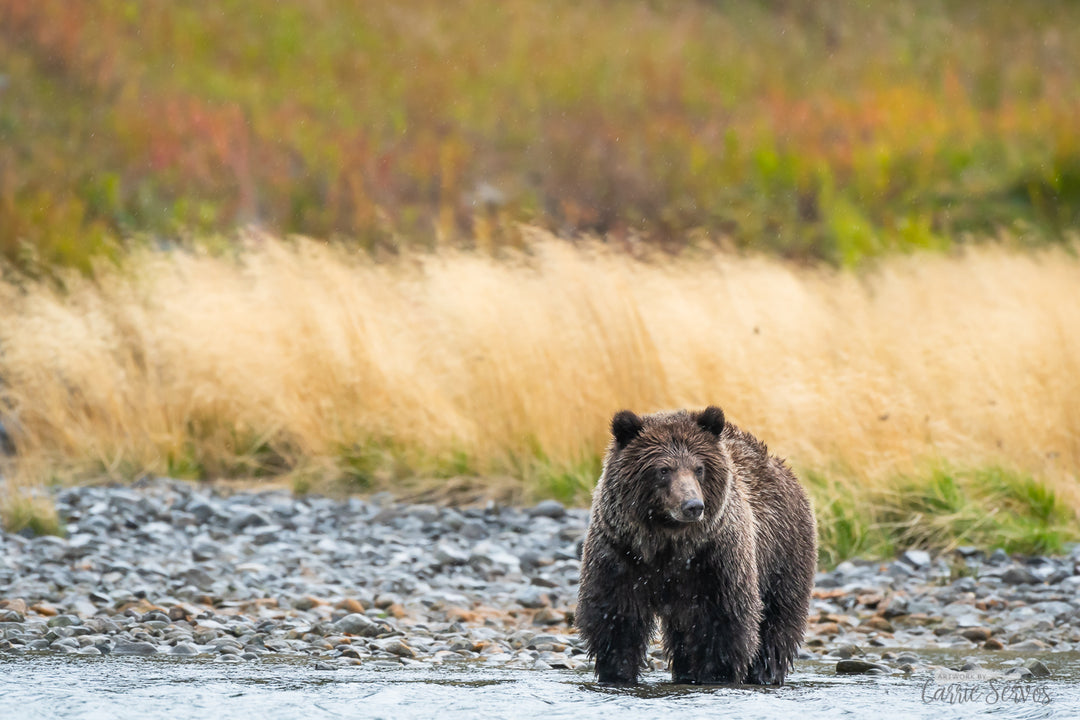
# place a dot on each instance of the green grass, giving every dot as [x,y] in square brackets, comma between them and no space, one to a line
[943,509]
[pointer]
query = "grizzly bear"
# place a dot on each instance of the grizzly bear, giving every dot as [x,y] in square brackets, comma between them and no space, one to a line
[695,522]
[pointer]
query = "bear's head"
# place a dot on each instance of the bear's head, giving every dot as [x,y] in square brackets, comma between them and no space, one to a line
[667,470]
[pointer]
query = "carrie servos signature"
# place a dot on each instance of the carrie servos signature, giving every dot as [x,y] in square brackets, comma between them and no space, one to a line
[982,686]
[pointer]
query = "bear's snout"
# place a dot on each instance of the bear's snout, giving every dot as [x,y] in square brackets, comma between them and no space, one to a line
[686,504]
[692,509]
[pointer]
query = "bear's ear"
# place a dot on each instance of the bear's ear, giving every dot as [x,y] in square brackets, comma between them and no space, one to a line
[712,419]
[625,426]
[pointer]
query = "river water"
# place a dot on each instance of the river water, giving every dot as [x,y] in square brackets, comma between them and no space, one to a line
[44,687]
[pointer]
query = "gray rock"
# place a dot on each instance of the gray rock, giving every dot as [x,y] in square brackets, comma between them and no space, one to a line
[126,647]
[1037,668]
[474,530]
[359,624]
[425,513]
[548,508]
[183,649]
[861,667]
[533,597]
[897,606]
[202,510]
[205,549]
[918,559]
[266,535]
[847,651]
[64,620]
[1017,575]
[245,516]
[447,554]
[395,646]
[900,570]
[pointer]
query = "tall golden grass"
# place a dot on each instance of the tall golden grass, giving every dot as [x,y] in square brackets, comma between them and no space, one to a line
[308,354]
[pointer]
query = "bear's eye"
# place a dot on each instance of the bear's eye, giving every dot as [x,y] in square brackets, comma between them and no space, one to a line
[700,471]
[664,473]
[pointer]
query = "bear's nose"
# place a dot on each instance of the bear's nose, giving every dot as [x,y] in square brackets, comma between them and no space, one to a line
[692,509]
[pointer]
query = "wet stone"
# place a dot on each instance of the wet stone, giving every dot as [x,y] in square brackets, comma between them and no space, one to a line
[124,647]
[186,649]
[1037,668]
[861,667]
[847,651]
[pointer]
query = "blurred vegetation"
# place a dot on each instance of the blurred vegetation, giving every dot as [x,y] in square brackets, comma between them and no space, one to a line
[30,514]
[940,510]
[835,130]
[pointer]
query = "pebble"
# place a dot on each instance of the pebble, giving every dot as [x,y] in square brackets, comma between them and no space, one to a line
[178,569]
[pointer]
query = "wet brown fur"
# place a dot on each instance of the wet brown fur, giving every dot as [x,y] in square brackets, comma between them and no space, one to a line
[732,590]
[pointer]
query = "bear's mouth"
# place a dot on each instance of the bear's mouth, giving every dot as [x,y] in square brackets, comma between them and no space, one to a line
[677,518]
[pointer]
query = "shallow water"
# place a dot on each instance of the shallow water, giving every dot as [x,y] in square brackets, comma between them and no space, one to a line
[65,686]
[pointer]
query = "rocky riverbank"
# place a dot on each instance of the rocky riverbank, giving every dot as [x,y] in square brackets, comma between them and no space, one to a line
[172,568]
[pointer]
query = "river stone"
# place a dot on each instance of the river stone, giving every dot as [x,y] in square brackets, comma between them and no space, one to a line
[847,651]
[1029,644]
[969,620]
[917,559]
[447,554]
[359,624]
[976,634]
[245,516]
[64,620]
[267,535]
[183,649]
[899,570]
[897,606]
[533,597]
[126,647]
[1037,668]
[860,667]
[1017,575]
[396,647]
[548,508]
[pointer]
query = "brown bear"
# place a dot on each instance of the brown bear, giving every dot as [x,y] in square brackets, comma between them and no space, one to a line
[693,521]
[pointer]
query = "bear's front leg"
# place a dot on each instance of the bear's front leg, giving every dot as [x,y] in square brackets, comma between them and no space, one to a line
[613,614]
[711,626]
